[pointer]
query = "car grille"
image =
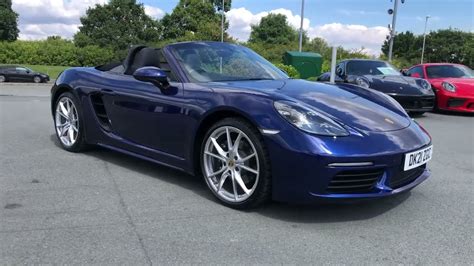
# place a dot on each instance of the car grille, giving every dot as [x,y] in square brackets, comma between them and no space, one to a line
[354,181]
[405,177]
[419,103]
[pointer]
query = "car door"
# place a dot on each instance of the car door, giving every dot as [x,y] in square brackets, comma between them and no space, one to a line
[22,74]
[145,115]
[9,73]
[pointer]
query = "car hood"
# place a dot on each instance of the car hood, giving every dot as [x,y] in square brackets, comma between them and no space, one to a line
[464,86]
[356,107]
[396,84]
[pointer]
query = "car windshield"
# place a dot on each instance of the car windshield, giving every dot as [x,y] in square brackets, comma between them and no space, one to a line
[367,67]
[449,71]
[213,61]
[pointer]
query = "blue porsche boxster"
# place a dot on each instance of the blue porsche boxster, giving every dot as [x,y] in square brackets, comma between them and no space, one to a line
[221,111]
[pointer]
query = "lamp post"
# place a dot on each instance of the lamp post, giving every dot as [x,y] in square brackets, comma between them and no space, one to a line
[392,28]
[301,26]
[424,39]
[222,21]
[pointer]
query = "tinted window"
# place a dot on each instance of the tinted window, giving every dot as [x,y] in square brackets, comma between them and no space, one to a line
[414,70]
[449,71]
[207,62]
[367,67]
[22,69]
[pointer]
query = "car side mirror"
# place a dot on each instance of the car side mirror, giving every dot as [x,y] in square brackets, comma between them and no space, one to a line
[153,75]
[340,73]
[403,72]
[415,75]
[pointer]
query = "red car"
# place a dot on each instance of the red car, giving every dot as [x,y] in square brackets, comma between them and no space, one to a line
[453,84]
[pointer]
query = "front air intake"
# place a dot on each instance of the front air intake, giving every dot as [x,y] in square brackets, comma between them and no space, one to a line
[354,181]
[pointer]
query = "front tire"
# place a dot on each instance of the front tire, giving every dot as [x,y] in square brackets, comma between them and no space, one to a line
[68,123]
[235,164]
[37,79]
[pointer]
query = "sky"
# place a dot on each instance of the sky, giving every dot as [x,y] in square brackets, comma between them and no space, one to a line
[351,24]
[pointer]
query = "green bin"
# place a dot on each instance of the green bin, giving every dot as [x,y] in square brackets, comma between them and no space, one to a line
[307,64]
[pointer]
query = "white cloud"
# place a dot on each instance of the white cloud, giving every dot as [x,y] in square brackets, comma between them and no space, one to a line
[154,12]
[348,36]
[351,36]
[39,19]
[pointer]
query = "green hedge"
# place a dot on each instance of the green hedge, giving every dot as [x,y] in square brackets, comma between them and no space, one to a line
[53,52]
[290,70]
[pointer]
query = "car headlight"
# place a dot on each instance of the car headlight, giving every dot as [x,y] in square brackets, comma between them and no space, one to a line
[308,120]
[448,86]
[362,82]
[425,84]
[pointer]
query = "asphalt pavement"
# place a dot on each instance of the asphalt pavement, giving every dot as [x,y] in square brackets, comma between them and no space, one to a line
[101,207]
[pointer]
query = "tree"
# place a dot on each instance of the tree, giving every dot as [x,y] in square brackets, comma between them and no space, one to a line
[117,24]
[447,45]
[273,29]
[450,45]
[405,45]
[218,4]
[8,21]
[193,20]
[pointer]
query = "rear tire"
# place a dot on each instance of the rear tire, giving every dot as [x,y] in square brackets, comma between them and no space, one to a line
[68,123]
[3,78]
[237,170]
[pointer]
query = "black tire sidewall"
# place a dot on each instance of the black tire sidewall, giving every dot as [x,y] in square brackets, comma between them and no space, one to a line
[80,143]
[263,189]
[40,79]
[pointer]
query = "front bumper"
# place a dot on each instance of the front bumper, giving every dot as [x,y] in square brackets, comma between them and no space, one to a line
[456,103]
[302,174]
[415,103]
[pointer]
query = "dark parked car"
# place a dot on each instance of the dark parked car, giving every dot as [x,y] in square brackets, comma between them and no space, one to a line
[414,94]
[21,74]
[222,111]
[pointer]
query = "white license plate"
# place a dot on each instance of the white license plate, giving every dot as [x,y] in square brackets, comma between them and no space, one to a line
[417,158]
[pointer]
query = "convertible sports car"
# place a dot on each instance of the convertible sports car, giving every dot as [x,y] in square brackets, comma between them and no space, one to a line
[221,110]
[414,94]
[453,85]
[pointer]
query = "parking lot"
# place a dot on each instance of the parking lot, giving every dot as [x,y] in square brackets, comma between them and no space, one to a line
[104,207]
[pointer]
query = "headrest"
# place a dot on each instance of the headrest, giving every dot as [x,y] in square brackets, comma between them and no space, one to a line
[145,56]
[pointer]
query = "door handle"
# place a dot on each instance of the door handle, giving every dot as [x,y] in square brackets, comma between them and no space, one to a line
[107,91]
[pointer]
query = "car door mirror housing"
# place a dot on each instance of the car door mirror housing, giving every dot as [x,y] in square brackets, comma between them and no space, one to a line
[340,72]
[153,75]
[415,75]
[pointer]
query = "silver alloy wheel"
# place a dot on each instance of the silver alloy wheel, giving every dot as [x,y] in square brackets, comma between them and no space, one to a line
[2,78]
[37,79]
[67,121]
[231,165]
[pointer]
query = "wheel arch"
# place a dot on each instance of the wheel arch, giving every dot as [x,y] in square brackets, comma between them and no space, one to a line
[56,92]
[206,122]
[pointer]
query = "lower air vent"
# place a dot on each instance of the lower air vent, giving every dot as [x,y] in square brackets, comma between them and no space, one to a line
[354,181]
[100,112]
[405,177]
